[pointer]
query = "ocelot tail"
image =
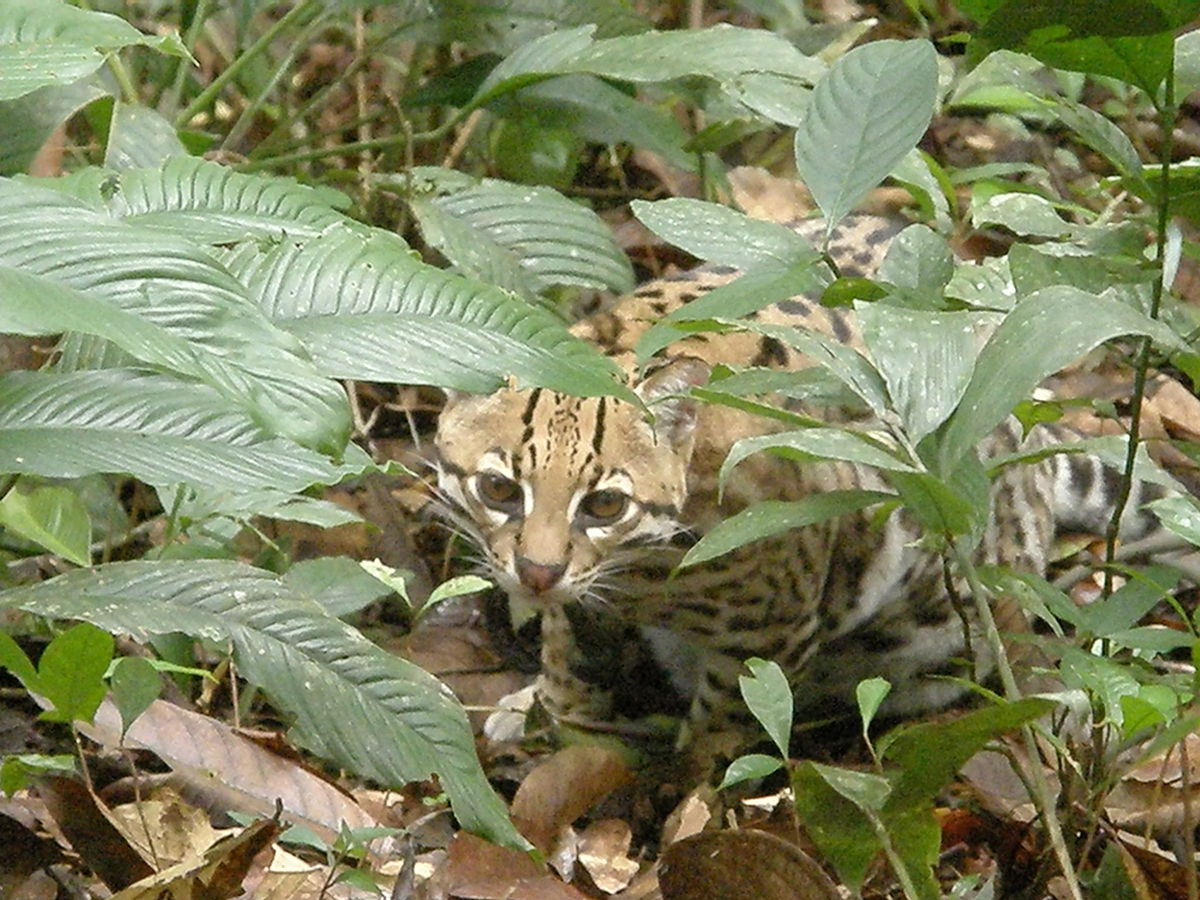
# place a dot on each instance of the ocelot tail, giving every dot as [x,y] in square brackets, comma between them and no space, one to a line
[583,501]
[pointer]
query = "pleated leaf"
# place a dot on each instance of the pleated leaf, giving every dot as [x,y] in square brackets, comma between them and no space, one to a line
[211,203]
[158,429]
[44,42]
[862,119]
[366,308]
[352,703]
[825,443]
[523,238]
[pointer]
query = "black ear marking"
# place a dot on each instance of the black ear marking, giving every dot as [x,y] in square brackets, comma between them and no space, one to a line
[664,390]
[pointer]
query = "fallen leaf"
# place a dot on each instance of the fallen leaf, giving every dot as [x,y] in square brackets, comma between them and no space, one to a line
[741,865]
[563,788]
[477,870]
[604,852]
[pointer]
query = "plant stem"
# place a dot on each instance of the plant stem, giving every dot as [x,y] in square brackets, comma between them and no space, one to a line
[1043,796]
[1142,359]
[383,143]
[169,100]
[293,16]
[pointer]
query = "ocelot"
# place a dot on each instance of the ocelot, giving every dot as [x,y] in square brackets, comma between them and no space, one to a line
[583,501]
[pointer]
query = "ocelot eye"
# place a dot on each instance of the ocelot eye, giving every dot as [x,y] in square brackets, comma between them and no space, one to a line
[604,507]
[499,492]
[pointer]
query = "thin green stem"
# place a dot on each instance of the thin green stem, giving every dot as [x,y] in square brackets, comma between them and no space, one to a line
[295,15]
[175,91]
[1142,359]
[1043,795]
[246,118]
[129,91]
[384,143]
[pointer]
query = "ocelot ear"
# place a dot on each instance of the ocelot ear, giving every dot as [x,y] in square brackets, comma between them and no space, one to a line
[674,416]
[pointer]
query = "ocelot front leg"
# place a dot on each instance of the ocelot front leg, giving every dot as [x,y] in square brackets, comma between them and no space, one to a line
[564,686]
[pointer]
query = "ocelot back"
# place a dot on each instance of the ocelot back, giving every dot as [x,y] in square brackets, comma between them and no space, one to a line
[582,501]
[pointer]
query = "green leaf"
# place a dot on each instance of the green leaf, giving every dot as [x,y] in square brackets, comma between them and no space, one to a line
[17,772]
[870,694]
[1024,214]
[919,260]
[71,672]
[155,428]
[1126,606]
[138,136]
[52,517]
[836,823]
[366,309]
[769,698]
[1047,265]
[46,42]
[13,658]
[338,583]
[945,343]
[730,56]
[929,754]
[862,119]
[1131,40]
[955,507]
[457,587]
[719,234]
[352,703]
[753,291]
[772,517]
[1101,134]
[1041,335]
[824,443]
[748,767]
[135,685]
[1180,515]
[27,122]
[526,239]
[1106,679]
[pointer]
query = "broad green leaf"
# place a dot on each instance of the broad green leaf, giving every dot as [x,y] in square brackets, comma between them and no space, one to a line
[730,56]
[155,428]
[352,703]
[862,119]
[823,443]
[135,685]
[719,234]
[769,697]
[1126,606]
[1187,64]
[750,766]
[17,772]
[772,517]
[1041,335]
[365,308]
[845,363]
[945,344]
[917,259]
[1107,679]
[958,506]
[1024,214]
[51,516]
[138,136]
[45,42]
[1179,515]
[835,822]
[27,122]
[984,285]
[750,292]
[457,587]
[1101,134]
[13,658]
[870,694]
[929,754]
[71,672]
[201,503]
[338,583]
[1046,265]
[1131,40]
[515,236]
[212,204]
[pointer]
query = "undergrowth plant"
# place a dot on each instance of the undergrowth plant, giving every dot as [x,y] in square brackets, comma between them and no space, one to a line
[208,312]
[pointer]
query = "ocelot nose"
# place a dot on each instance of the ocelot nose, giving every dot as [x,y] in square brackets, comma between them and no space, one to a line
[536,576]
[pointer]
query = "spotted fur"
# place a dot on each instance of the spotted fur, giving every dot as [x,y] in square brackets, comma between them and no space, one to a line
[585,501]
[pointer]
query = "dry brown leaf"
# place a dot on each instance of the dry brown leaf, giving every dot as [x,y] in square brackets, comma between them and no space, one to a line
[24,851]
[1178,407]
[741,865]
[686,819]
[563,788]
[217,876]
[477,870]
[85,822]
[235,772]
[165,830]
[1153,876]
[604,852]
[1152,795]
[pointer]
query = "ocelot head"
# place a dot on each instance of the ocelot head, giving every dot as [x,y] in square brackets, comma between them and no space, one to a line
[561,491]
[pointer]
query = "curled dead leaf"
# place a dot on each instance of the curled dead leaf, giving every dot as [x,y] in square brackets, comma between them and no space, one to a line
[563,788]
[741,865]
